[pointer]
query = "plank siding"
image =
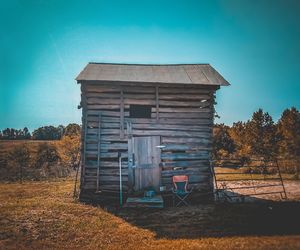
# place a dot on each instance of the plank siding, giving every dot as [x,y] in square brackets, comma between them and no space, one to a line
[181,115]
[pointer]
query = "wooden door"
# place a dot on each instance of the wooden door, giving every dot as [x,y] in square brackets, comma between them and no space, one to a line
[146,162]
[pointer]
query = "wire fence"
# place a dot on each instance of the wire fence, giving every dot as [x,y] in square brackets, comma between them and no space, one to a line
[238,178]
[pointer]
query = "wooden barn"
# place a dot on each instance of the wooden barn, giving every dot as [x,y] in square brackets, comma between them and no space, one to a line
[143,124]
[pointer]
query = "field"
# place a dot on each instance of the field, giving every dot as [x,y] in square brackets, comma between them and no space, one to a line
[7,145]
[10,170]
[43,214]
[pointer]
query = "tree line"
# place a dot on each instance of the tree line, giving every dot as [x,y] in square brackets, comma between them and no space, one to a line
[260,137]
[42,133]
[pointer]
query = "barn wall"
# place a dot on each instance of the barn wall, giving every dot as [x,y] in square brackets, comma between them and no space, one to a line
[184,127]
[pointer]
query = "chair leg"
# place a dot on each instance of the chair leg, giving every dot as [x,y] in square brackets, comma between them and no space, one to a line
[187,204]
[183,200]
[177,197]
[179,202]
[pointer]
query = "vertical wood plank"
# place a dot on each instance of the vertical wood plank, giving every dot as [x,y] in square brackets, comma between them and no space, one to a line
[157,102]
[130,158]
[84,147]
[98,152]
[122,114]
[213,111]
[84,132]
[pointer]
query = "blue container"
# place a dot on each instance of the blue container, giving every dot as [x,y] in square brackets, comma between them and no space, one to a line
[149,193]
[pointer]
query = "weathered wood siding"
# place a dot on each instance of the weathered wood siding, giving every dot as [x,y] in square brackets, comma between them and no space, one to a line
[184,127]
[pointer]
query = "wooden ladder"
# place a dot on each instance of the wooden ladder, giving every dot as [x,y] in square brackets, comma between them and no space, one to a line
[85,142]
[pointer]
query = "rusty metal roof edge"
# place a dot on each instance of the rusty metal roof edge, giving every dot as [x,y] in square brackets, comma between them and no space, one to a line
[150,64]
[226,83]
[77,78]
[82,81]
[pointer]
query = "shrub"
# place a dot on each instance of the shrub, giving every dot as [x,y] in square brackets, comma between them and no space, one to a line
[19,157]
[69,150]
[46,153]
[72,130]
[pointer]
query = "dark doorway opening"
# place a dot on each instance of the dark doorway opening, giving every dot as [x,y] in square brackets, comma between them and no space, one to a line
[140,111]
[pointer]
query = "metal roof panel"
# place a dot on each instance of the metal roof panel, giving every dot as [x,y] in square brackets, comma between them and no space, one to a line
[156,73]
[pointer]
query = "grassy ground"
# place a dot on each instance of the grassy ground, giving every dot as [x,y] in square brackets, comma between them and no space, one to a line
[39,215]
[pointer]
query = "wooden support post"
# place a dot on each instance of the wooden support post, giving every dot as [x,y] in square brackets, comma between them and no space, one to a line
[120,173]
[130,157]
[122,114]
[84,133]
[157,103]
[98,152]
[214,180]
[84,149]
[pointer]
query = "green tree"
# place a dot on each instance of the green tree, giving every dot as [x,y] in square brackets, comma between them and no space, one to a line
[72,130]
[289,131]
[26,133]
[48,133]
[238,133]
[261,135]
[223,145]
[15,134]
[9,133]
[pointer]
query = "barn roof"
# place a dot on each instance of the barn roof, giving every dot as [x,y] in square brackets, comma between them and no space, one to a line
[152,73]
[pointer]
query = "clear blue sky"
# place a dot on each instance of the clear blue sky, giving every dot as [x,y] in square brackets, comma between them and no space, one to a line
[44,44]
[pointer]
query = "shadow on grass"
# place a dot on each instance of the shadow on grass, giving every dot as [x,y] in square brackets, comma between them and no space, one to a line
[257,218]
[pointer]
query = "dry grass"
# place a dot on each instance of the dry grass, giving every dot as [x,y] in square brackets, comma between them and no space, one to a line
[7,145]
[39,215]
[238,173]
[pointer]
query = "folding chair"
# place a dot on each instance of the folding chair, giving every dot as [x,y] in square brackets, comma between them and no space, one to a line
[180,190]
